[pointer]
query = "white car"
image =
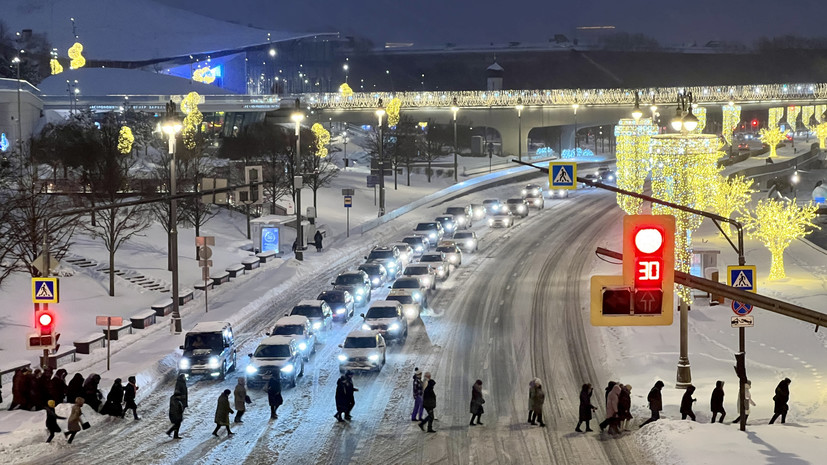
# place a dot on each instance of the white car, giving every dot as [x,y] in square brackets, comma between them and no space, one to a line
[532,190]
[437,260]
[418,291]
[453,254]
[406,252]
[424,272]
[503,219]
[275,356]
[299,328]
[362,350]
[418,243]
[411,307]
[467,241]
[386,317]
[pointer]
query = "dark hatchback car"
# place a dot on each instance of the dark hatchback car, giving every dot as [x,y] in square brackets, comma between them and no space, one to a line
[341,303]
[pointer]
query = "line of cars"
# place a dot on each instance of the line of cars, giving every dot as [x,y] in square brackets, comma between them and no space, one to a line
[504,214]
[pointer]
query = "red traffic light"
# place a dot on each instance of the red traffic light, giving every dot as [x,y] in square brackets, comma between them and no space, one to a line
[648,250]
[45,321]
[754,123]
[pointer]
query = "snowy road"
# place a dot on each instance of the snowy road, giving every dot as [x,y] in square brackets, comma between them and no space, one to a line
[513,311]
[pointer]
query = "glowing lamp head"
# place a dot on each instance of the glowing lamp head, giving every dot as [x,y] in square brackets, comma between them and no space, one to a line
[648,240]
[45,319]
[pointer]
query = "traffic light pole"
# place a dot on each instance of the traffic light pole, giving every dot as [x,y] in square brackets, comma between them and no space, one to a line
[45,274]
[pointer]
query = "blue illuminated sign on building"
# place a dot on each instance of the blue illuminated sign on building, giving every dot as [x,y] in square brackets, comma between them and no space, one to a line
[270,239]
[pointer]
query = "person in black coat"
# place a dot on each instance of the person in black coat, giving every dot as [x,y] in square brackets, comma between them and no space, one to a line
[43,384]
[477,400]
[51,420]
[586,407]
[181,390]
[75,388]
[655,403]
[114,400]
[781,398]
[341,398]
[686,403]
[33,390]
[176,415]
[318,240]
[92,395]
[57,387]
[429,403]
[349,390]
[274,397]
[18,390]
[129,398]
[716,402]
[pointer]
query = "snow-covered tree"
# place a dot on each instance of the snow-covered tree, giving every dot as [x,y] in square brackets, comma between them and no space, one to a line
[731,196]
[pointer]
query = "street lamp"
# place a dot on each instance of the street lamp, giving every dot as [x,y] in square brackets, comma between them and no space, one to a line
[519,108]
[16,61]
[637,113]
[574,107]
[684,121]
[171,127]
[345,67]
[455,109]
[297,117]
[380,112]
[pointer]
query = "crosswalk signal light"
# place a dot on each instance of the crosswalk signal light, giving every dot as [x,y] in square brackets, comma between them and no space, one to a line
[45,322]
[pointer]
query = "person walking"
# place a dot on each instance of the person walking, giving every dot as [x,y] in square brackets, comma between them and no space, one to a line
[747,402]
[129,398]
[609,388]
[222,413]
[274,397]
[317,238]
[425,378]
[341,398]
[612,419]
[781,398]
[586,407]
[74,424]
[416,414]
[51,420]
[33,390]
[42,388]
[686,403]
[176,415]
[537,403]
[57,387]
[655,403]
[349,390]
[114,400]
[241,399]
[624,407]
[532,392]
[91,392]
[476,403]
[429,403]
[181,389]
[18,390]
[75,388]
[716,402]
[295,245]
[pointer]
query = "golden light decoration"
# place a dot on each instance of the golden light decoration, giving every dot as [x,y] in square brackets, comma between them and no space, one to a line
[821,134]
[189,105]
[776,223]
[55,65]
[683,166]
[393,111]
[322,137]
[775,115]
[345,90]
[632,149]
[772,137]
[204,75]
[731,118]
[125,140]
[700,113]
[820,109]
[75,53]
[792,116]
[807,113]
[731,196]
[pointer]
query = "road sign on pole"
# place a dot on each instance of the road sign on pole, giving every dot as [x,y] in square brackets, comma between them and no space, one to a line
[740,308]
[372,181]
[742,277]
[562,175]
[45,290]
[348,201]
[108,321]
[742,321]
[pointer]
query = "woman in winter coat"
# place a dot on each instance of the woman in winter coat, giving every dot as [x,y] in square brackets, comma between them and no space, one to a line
[74,424]
[33,390]
[532,390]
[91,392]
[176,415]
[57,387]
[624,407]
[612,419]
[222,413]
[181,389]
[781,398]
[129,398]
[716,402]
[537,402]
[476,403]
[114,400]
[686,403]
[318,240]
[274,397]
[586,407]
[241,400]
[43,385]
[342,402]
[416,414]
[747,402]
[655,403]
[51,420]
[75,388]
[18,389]
[429,403]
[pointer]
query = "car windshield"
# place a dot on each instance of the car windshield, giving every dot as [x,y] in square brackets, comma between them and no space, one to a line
[447,249]
[288,330]
[455,210]
[463,235]
[406,283]
[445,219]
[412,241]
[402,299]
[332,298]
[380,254]
[515,201]
[370,270]
[308,311]
[431,258]
[382,312]
[212,341]
[490,202]
[275,351]
[425,227]
[415,270]
[360,342]
[348,279]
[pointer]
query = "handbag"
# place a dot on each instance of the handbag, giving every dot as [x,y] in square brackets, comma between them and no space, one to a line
[85,425]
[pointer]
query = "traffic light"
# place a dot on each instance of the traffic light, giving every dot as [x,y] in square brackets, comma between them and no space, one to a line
[754,123]
[44,336]
[45,322]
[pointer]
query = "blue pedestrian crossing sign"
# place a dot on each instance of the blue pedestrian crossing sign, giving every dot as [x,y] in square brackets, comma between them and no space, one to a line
[348,201]
[45,291]
[562,175]
[742,277]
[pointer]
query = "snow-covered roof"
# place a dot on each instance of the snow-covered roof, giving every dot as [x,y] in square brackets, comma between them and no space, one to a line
[133,30]
[292,320]
[118,81]
[209,327]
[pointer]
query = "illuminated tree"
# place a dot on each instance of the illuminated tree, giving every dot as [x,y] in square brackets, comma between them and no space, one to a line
[125,140]
[393,111]
[193,120]
[772,137]
[322,137]
[633,159]
[75,53]
[731,118]
[731,195]
[345,90]
[55,65]
[776,224]
[821,133]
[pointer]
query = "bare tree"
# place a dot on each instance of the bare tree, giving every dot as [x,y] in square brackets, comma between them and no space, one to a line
[435,143]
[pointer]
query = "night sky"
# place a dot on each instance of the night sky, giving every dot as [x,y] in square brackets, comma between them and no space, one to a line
[472,22]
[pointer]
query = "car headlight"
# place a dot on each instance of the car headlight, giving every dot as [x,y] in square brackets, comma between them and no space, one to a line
[375,281]
[452,259]
[461,220]
[469,243]
[373,357]
[495,207]
[418,248]
[358,297]
[521,208]
[490,222]
[342,357]
[302,346]
[213,362]
[416,295]
[432,235]
[250,369]
[288,368]
[426,280]
[317,324]
[611,178]
[366,327]
[184,364]
[537,202]
[524,192]
[393,327]
[410,312]
[360,291]
[449,226]
[441,271]
[339,311]
[391,265]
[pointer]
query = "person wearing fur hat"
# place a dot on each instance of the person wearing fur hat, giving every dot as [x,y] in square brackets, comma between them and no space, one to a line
[416,414]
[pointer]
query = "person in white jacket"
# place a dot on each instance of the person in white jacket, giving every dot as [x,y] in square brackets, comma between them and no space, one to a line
[747,401]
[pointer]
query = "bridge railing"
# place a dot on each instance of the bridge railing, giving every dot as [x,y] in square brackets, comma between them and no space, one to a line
[567,97]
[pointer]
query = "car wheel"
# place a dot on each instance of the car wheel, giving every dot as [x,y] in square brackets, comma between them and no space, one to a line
[294,381]
[223,373]
[301,373]
[433,286]
[235,364]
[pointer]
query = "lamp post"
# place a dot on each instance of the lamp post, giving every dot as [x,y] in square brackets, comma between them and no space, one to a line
[519,108]
[654,109]
[380,112]
[344,136]
[297,117]
[171,128]
[684,121]
[575,107]
[345,67]
[455,109]
[637,113]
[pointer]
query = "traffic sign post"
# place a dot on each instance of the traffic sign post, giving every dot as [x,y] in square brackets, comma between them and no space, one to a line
[108,321]
[742,277]
[348,205]
[204,255]
[45,290]
[562,175]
